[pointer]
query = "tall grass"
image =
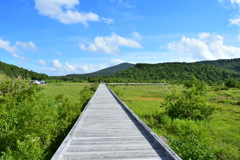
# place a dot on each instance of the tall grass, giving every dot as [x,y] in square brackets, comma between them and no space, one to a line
[72,90]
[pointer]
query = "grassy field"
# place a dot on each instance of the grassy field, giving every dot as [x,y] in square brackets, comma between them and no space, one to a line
[72,90]
[220,134]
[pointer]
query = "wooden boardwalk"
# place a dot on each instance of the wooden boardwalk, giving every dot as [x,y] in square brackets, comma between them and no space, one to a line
[107,129]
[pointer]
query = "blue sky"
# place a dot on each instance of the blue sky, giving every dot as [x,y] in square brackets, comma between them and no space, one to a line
[60,37]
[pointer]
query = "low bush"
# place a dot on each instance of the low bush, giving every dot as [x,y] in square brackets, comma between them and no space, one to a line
[192,147]
[190,103]
[232,83]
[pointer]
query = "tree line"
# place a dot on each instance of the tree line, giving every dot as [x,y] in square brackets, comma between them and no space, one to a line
[14,71]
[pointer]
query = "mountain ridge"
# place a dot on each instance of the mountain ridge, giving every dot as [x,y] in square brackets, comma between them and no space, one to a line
[15,71]
[209,71]
[106,71]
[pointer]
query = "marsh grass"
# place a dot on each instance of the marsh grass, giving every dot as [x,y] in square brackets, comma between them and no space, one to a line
[219,134]
[72,90]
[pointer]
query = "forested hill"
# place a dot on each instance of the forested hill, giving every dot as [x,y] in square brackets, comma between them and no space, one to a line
[14,71]
[176,72]
[107,71]
[232,64]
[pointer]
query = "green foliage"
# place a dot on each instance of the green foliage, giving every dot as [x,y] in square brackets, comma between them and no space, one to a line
[232,83]
[174,72]
[191,147]
[33,125]
[231,64]
[211,72]
[14,71]
[87,93]
[190,142]
[190,104]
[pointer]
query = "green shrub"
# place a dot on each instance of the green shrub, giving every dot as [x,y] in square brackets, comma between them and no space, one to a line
[190,103]
[231,83]
[31,123]
[191,147]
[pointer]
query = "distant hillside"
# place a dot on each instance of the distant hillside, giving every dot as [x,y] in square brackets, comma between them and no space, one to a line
[232,64]
[104,72]
[111,70]
[14,71]
[208,71]
[177,72]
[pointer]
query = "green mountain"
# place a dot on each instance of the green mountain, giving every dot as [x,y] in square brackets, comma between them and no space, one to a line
[208,71]
[14,71]
[111,70]
[104,72]
[232,64]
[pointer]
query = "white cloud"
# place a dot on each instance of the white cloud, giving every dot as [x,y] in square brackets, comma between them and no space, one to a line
[7,47]
[14,50]
[18,56]
[107,20]
[136,36]
[65,11]
[207,46]
[117,61]
[57,63]
[11,49]
[235,1]
[70,68]
[42,62]
[232,4]
[110,44]
[58,68]
[27,45]
[235,21]
[125,3]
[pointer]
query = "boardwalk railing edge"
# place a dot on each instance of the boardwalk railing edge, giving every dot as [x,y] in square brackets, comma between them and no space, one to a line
[58,154]
[171,154]
[136,83]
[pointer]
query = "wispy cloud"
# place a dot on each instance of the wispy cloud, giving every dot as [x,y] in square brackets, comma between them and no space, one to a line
[7,47]
[125,3]
[117,61]
[18,56]
[65,12]
[57,63]
[136,36]
[107,20]
[58,68]
[235,21]
[27,45]
[110,44]
[42,62]
[205,47]
[232,4]
[14,50]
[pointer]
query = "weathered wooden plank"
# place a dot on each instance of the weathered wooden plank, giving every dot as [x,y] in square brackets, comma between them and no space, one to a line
[107,130]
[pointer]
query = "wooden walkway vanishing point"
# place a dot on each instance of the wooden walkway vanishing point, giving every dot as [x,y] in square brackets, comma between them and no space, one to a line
[108,129]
